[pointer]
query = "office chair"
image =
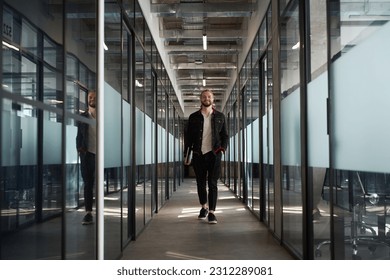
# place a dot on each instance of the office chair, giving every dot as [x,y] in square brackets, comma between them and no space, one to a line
[364,230]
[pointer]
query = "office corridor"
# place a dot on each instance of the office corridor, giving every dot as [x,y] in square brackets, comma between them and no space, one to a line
[176,233]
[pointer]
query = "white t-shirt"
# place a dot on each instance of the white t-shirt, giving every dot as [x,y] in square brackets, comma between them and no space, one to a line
[92,136]
[207,134]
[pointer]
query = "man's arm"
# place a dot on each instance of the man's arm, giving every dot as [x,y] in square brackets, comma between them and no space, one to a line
[224,135]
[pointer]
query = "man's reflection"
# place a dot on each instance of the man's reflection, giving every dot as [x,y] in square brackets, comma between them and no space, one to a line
[86,147]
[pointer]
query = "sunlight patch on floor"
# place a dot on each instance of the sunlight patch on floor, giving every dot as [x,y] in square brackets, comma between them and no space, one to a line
[227,197]
[182,256]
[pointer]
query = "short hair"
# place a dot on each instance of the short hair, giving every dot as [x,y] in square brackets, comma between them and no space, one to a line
[206,90]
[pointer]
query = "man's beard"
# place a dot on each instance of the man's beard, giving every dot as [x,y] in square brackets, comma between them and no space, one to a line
[207,104]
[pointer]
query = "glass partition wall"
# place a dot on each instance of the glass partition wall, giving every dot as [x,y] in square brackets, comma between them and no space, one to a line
[313,169]
[44,91]
[290,126]
[332,189]
[318,138]
[32,134]
[359,136]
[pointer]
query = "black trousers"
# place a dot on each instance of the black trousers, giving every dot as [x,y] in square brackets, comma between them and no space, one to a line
[87,164]
[207,169]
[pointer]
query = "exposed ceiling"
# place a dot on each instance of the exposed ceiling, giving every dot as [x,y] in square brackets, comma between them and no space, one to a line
[182,25]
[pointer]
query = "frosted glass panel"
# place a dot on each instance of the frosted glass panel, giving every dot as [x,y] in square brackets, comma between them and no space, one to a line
[236,149]
[28,152]
[171,140]
[7,136]
[139,137]
[231,147]
[148,140]
[265,140]
[71,151]
[318,140]
[255,146]
[161,144]
[361,105]
[126,133]
[290,125]
[52,142]
[268,139]
[19,138]
[177,151]
[248,133]
[112,127]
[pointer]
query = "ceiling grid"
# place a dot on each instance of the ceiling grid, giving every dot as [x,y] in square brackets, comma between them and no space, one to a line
[182,26]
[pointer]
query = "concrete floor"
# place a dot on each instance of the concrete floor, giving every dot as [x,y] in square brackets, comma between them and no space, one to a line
[176,233]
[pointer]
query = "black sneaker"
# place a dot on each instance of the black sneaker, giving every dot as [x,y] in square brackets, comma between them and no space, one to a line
[212,219]
[203,213]
[316,215]
[88,219]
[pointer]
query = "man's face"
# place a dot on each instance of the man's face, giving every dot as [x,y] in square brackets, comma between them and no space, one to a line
[92,99]
[207,99]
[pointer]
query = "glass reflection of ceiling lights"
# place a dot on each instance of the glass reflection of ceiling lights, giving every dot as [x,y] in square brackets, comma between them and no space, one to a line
[296,46]
[53,101]
[10,46]
[138,84]
[204,41]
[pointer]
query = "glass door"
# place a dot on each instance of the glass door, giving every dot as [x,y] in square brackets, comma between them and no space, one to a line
[359,134]
[256,140]
[290,123]
[267,193]
[318,139]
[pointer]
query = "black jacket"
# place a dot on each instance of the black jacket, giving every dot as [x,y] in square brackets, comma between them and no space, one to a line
[82,134]
[193,135]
